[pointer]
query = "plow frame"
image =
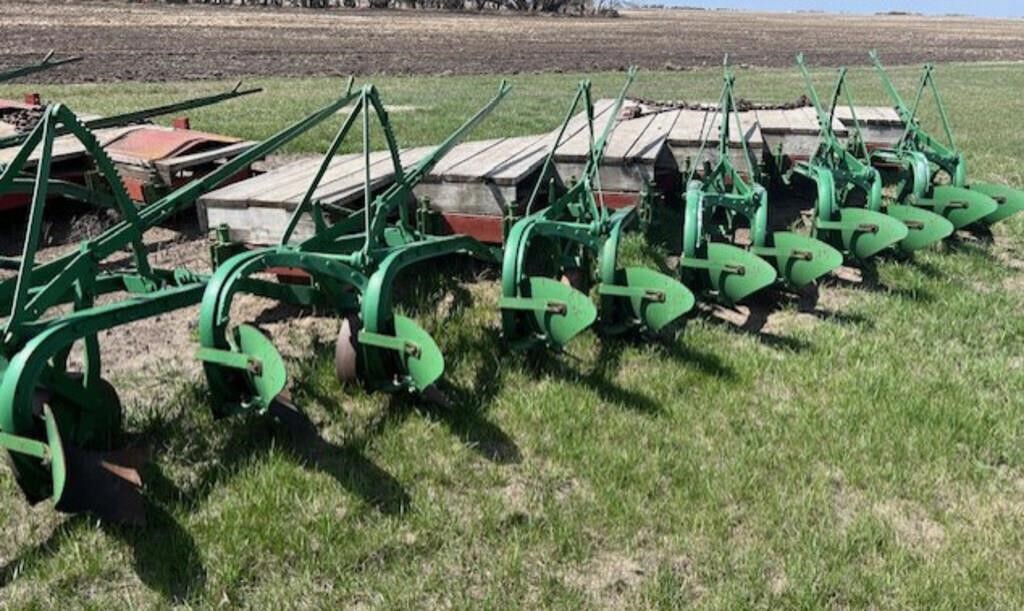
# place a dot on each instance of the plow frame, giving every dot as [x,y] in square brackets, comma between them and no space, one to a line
[916,141]
[859,229]
[731,271]
[541,310]
[922,158]
[45,64]
[352,264]
[77,413]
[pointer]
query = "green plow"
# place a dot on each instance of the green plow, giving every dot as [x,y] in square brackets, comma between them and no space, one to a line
[849,211]
[555,255]
[46,63]
[721,198]
[61,425]
[933,174]
[353,260]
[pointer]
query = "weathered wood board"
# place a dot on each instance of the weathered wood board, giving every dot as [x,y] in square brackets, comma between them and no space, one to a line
[793,132]
[881,126]
[693,125]
[635,156]
[257,209]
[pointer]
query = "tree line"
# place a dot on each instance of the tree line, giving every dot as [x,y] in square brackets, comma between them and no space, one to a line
[577,7]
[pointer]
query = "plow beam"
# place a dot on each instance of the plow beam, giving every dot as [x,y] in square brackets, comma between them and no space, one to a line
[61,427]
[136,116]
[549,306]
[46,63]
[353,265]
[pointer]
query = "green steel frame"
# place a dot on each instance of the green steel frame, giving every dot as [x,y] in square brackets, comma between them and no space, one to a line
[45,64]
[573,234]
[353,265]
[846,181]
[57,424]
[713,203]
[850,212]
[922,159]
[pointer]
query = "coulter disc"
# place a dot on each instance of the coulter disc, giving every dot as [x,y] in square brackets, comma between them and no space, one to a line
[267,376]
[572,312]
[670,298]
[104,483]
[346,352]
[423,362]
[865,233]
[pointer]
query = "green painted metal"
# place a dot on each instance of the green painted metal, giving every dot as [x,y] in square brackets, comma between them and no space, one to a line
[45,64]
[354,259]
[850,210]
[928,163]
[143,114]
[579,237]
[81,414]
[719,200]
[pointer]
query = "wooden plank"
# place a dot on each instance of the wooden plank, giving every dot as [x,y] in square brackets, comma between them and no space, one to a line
[871,115]
[348,189]
[169,167]
[248,190]
[523,164]
[576,139]
[689,128]
[648,148]
[462,153]
[493,160]
[624,137]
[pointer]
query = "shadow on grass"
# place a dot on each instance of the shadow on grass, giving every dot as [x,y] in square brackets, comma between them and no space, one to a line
[707,363]
[462,408]
[872,283]
[345,464]
[753,325]
[164,555]
[540,362]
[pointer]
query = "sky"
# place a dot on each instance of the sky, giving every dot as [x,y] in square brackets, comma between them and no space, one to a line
[987,8]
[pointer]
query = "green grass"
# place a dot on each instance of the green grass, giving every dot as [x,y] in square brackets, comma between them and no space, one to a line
[867,455]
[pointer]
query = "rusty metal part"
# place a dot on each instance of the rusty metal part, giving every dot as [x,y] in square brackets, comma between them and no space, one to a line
[345,352]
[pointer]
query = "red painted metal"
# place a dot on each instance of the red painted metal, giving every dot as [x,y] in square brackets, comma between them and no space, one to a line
[155,143]
[618,199]
[181,123]
[10,201]
[15,105]
[485,228]
[33,99]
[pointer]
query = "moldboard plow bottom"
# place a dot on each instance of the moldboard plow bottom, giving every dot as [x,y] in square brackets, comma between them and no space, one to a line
[724,197]
[932,174]
[62,426]
[849,209]
[553,254]
[353,259]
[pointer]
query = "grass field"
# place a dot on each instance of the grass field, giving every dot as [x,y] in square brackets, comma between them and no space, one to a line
[865,454]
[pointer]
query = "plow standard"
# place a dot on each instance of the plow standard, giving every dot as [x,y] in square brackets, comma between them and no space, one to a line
[754,197]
